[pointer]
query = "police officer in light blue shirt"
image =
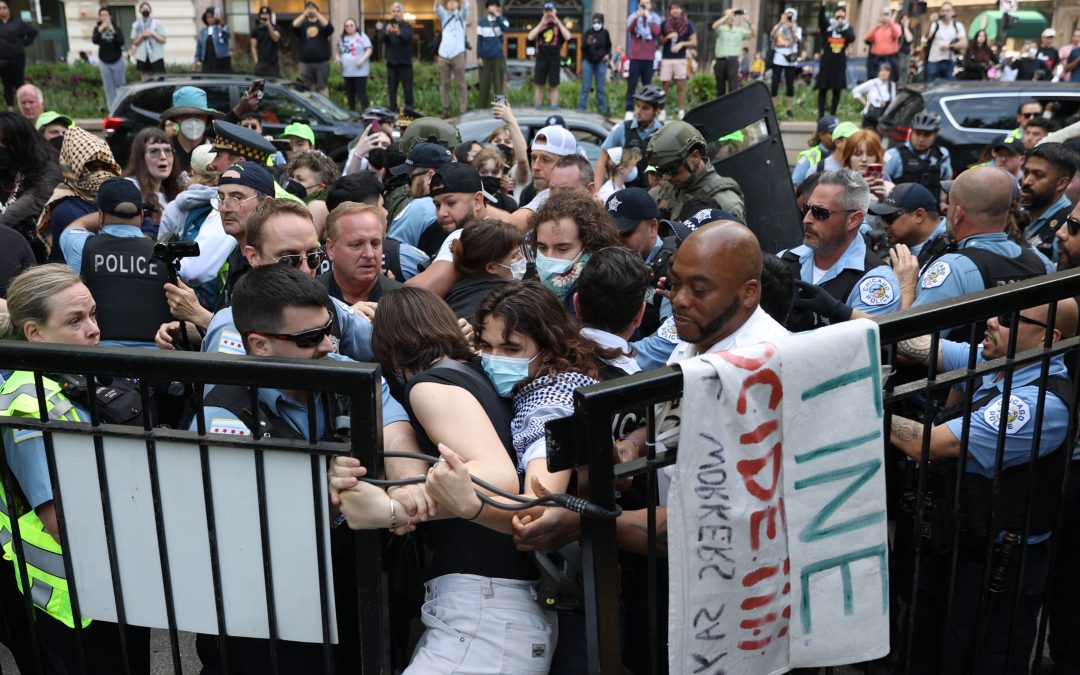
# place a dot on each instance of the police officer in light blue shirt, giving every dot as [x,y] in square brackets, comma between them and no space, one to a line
[984,256]
[838,274]
[417,224]
[1048,170]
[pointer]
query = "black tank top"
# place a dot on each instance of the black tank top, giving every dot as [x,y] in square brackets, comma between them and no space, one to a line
[458,546]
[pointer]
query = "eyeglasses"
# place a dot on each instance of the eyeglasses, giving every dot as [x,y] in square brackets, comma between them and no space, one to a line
[670,169]
[305,339]
[1073,224]
[820,213]
[890,218]
[1006,321]
[314,259]
[163,150]
[232,203]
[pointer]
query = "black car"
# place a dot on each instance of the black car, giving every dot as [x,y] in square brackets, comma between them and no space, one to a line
[590,129]
[140,105]
[974,113]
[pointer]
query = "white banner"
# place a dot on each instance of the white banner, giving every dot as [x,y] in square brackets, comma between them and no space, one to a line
[776,512]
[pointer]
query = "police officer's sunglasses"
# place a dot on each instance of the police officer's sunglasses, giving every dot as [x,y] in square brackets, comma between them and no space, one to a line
[890,218]
[820,213]
[305,339]
[1073,224]
[1006,320]
[314,259]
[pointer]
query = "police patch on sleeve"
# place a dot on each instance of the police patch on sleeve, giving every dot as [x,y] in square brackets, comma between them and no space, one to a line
[228,426]
[1017,416]
[20,435]
[230,343]
[936,274]
[876,291]
[667,331]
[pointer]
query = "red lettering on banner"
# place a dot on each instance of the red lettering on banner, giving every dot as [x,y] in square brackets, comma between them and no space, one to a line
[762,377]
[751,467]
[763,431]
[747,363]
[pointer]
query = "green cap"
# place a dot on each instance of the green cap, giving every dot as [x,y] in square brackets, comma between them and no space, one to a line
[50,117]
[844,130]
[299,130]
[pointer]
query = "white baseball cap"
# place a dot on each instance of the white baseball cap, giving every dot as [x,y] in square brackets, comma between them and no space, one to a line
[201,158]
[556,140]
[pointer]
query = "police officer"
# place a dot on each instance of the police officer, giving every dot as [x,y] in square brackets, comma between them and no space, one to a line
[1048,170]
[636,217]
[118,266]
[839,273]
[980,497]
[678,151]
[909,216]
[984,256]
[634,133]
[417,224]
[422,130]
[282,312]
[921,159]
[810,159]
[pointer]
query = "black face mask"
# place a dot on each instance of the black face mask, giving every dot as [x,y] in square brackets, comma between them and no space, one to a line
[491,184]
[145,14]
[7,159]
[57,142]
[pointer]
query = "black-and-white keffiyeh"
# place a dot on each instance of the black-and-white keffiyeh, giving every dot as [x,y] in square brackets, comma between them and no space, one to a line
[546,398]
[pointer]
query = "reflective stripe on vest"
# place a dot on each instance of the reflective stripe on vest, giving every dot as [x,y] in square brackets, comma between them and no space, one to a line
[44,559]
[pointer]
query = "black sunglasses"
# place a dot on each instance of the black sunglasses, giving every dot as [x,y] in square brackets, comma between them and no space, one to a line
[1073,224]
[305,339]
[890,218]
[1006,321]
[1029,115]
[820,213]
[314,259]
[670,169]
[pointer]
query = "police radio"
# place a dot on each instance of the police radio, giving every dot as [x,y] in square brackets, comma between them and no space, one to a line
[171,253]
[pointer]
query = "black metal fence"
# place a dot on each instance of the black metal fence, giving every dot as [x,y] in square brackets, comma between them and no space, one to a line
[916,504]
[361,589]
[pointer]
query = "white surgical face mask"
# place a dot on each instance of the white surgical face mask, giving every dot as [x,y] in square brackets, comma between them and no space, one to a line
[193,128]
[597,26]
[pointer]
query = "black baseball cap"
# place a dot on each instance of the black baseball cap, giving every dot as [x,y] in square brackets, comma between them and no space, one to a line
[455,177]
[250,174]
[555,120]
[264,10]
[423,156]
[629,206]
[119,197]
[1010,143]
[826,124]
[905,197]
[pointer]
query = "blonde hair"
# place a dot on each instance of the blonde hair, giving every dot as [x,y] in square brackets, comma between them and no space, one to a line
[28,297]
[348,209]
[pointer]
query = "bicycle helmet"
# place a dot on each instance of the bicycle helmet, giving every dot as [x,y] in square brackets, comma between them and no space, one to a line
[925,120]
[651,94]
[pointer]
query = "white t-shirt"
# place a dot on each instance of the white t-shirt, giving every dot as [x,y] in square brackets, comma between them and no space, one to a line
[445,254]
[939,48]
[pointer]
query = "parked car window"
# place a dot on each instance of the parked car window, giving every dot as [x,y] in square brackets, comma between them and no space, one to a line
[983,112]
[322,105]
[1063,108]
[278,107]
[154,99]
[217,97]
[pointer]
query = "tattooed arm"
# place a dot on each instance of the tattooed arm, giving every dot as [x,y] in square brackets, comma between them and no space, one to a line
[917,350]
[907,435]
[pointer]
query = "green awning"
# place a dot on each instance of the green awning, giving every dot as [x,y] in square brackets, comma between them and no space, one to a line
[1031,24]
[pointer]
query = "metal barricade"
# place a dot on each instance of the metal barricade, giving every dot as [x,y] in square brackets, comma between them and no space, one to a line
[320,381]
[584,442]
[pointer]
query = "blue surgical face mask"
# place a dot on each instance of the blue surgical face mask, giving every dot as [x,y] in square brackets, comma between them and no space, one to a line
[552,267]
[632,176]
[505,371]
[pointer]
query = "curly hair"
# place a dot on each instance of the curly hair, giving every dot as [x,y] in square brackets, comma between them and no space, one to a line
[595,227]
[528,308]
[322,166]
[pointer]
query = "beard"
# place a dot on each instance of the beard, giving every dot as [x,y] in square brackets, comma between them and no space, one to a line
[1034,201]
[713,327]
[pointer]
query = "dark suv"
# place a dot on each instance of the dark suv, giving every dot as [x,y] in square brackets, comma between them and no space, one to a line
[140,105]
[974,113]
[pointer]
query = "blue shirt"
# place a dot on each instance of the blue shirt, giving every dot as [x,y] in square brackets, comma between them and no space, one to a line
[411,223]
[1074,76]
[1030,231]
[894,166]
[1023,402]
[411,258]
[72,241]
[655,350]
[453,30]
[489,34]
[878,291]
[616,138]
[26,457]
[953,275]
[658,245]
[65,212]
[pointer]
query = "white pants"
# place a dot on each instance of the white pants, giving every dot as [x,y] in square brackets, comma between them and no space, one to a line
[480,626]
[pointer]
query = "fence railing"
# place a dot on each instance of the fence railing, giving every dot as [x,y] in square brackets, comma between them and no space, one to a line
[204,530]
[583,441]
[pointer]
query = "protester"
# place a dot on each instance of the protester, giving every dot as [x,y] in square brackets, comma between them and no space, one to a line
[153,169]
[875,94]
[313,33]
[861,151]
[451,54]
[945,38]
[398,36]
[52,126]
[677,35]
[264,41]
[301,138]
[594,64]
[185,215]
[494,172]
[549,34]
[190,116]
[486,256]
[1007,153]
[417,224]
[729,40]
[31,102]
[785,37]
[884,39]
[832,71]
[622,170]
[15,36]
[643,27]
[213,45]
[354,244]
[489,51]
[28,175]
[634,133]
[111,61]
[148,39]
